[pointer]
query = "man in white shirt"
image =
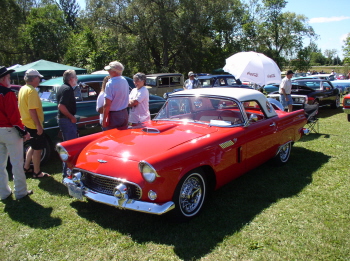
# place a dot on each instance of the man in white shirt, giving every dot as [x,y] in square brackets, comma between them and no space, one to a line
[191,82]
[285,91]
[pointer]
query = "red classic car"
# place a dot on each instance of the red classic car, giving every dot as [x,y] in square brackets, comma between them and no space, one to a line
[200,140]
[346,105]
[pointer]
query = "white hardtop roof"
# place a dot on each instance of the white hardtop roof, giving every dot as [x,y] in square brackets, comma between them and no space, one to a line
[241,94]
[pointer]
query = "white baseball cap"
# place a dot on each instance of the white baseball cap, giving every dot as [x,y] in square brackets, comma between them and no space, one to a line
[33,72]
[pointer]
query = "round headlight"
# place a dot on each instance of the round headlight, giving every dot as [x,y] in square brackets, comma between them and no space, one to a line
[62,152]
[148,172]
[347,101]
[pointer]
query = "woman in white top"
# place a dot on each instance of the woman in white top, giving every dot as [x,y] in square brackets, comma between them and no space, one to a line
[139,101]
[100,99]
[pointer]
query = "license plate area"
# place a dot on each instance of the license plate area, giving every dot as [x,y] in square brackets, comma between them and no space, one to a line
[75,191]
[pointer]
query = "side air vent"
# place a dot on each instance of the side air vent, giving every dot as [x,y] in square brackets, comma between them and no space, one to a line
[226,144]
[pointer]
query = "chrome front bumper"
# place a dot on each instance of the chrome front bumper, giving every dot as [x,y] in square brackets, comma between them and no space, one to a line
[130,204]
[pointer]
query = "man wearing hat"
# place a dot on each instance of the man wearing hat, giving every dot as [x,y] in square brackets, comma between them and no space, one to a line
[285,91]
[32,115]
[191,82]
[11,142]
[115,114]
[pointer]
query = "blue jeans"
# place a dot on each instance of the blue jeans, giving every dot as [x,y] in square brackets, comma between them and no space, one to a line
[284,102]
[69,132]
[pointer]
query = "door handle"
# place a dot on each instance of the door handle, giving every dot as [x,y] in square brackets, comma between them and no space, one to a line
[273,124]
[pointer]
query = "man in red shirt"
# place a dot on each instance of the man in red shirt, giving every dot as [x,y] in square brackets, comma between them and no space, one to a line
[11,142]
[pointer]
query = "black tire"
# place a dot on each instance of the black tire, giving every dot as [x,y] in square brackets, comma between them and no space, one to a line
[190,195]
[336,103]
[283,155]
[45,153]
[349,117]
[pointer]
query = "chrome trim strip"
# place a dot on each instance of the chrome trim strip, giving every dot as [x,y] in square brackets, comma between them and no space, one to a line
[79,122]
[141,206]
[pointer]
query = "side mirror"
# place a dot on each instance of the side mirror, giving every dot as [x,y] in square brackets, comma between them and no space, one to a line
[252,118]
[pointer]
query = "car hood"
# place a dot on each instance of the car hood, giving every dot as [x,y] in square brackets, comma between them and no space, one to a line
[155,138]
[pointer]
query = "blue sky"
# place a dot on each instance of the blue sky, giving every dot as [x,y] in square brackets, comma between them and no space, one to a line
[330,20]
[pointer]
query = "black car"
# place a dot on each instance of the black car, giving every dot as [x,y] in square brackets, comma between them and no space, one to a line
[212,81]
[312,91]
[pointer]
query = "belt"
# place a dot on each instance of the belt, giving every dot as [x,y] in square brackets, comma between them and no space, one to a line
[117,111]
[286,94]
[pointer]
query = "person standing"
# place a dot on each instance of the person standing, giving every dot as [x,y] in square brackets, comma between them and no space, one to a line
[32,115]
[67,108]
[285,91]
[11,142]
[191,82]
[115,114]
[101,99]
[139,101]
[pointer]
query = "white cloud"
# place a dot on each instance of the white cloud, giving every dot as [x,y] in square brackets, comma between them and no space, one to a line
[328,19]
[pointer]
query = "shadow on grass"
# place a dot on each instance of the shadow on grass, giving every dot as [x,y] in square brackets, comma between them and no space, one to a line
[314,136]
[226,212]
[28,212]
[326,112]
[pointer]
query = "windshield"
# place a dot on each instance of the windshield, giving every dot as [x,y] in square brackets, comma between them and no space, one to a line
[213,111]
[316,85]
[151,81]
[82,92]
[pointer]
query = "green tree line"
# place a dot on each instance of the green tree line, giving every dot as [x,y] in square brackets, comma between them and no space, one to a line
[154,35]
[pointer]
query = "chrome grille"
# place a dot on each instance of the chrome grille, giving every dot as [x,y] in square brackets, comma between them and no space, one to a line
[106,185]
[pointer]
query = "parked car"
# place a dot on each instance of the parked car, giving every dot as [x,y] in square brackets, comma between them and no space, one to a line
[213,81]
[269,88]
[200,140]
[346,105]
[327,77]
[86,92]
[160,83]
[312,91]
[343,86]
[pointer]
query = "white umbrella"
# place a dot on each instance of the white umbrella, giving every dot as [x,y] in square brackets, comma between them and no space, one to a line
[253,67]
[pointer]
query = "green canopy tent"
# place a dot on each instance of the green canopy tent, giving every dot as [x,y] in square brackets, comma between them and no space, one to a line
[46,68]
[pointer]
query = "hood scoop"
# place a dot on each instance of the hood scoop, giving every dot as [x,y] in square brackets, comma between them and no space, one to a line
[159,129]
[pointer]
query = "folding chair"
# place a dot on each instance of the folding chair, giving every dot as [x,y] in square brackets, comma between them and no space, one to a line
[311,112]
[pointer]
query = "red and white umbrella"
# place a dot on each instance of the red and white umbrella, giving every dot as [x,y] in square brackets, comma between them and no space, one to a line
[253,67]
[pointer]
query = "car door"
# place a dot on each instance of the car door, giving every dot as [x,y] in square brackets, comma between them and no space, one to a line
[261,136]
[330,93]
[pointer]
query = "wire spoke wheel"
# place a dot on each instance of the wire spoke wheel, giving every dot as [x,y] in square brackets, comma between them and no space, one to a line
[190,195]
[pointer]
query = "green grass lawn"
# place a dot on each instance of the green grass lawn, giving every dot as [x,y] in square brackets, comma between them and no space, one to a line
[299,211]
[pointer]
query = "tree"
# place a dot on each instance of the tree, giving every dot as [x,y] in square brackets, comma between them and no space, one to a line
[71,9]
[346,49]
[330,54]
[278,34]
[11,20]
[317,58]
[45,33]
